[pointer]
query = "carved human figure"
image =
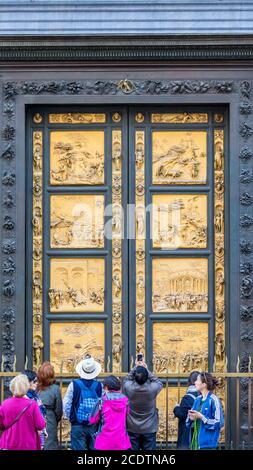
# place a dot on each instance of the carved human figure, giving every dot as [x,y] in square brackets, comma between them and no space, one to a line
[116,350]
[117,284]
[220,283]
[37,161]
[37,286]
[219,220]
[218,158]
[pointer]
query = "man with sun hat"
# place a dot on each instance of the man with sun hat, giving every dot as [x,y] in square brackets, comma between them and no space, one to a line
[81,396]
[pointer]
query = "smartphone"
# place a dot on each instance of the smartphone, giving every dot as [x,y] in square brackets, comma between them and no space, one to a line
[139,357]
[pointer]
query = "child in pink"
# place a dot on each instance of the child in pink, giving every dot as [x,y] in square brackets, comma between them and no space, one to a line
[111,413]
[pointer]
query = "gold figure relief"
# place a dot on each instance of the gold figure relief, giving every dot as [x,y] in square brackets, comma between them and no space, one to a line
[77,118]
[77,285]
[139,117]
[180,347]
[77,157]
[179,157]
[179,221]
[218,117]
[116,117]
[178,118]
[70,342]
[180,284]
[126,86]
[140,224]
[37,221]
[37,118]
[117,228]
[220,356]
[77,221]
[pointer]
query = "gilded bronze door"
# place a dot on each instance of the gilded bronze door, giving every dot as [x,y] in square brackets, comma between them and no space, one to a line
[179,245]
[126,253]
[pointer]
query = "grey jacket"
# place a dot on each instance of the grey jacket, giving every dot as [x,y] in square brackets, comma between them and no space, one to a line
[51,399]
[143,416]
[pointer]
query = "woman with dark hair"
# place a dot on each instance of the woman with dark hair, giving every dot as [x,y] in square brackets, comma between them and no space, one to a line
[33,395]
[206,416]
[111,413]
[181,411]
[50,396]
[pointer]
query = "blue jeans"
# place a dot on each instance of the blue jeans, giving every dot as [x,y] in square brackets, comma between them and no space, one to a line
[143,441]
[82,436]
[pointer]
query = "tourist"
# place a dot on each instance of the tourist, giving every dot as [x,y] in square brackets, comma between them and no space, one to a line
[206,417]
[33,395]
[50,396]
[111,413]
[80,399]
[142,387]
[20,418]
[181,411]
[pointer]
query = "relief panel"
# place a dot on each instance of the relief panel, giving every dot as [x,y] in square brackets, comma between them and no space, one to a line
[77,118]
[77,221]
[180,284]
[77,157]
[77,285]
[179,221]
[179,157]
[180,347]
[179,118]
[70,342]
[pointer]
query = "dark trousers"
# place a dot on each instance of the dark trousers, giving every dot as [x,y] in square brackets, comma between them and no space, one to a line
[82,436]
[143,441]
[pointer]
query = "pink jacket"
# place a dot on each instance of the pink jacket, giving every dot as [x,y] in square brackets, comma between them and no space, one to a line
[111,413]
[23,435]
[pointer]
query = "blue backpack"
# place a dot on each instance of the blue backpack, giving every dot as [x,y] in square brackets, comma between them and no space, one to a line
[87,402]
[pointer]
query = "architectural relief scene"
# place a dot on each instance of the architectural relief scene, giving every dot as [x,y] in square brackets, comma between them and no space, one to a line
[180,285]
[179,157]
[77,221]
[70,342]
[180,347]
[77,157]
[77,285]
[179,221]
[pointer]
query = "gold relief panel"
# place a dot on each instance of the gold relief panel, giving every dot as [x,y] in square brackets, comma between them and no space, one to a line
[179,118]
[179,221]
[179,157]
[174,396]
[180,347]
[70,342]
[219,206]
[180,284]
[77,221]
[77,118]
[77,285]
[65,426]
[117,227]
[76,157]
[37,224]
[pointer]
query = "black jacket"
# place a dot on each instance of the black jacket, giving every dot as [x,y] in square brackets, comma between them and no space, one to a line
[181,412]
